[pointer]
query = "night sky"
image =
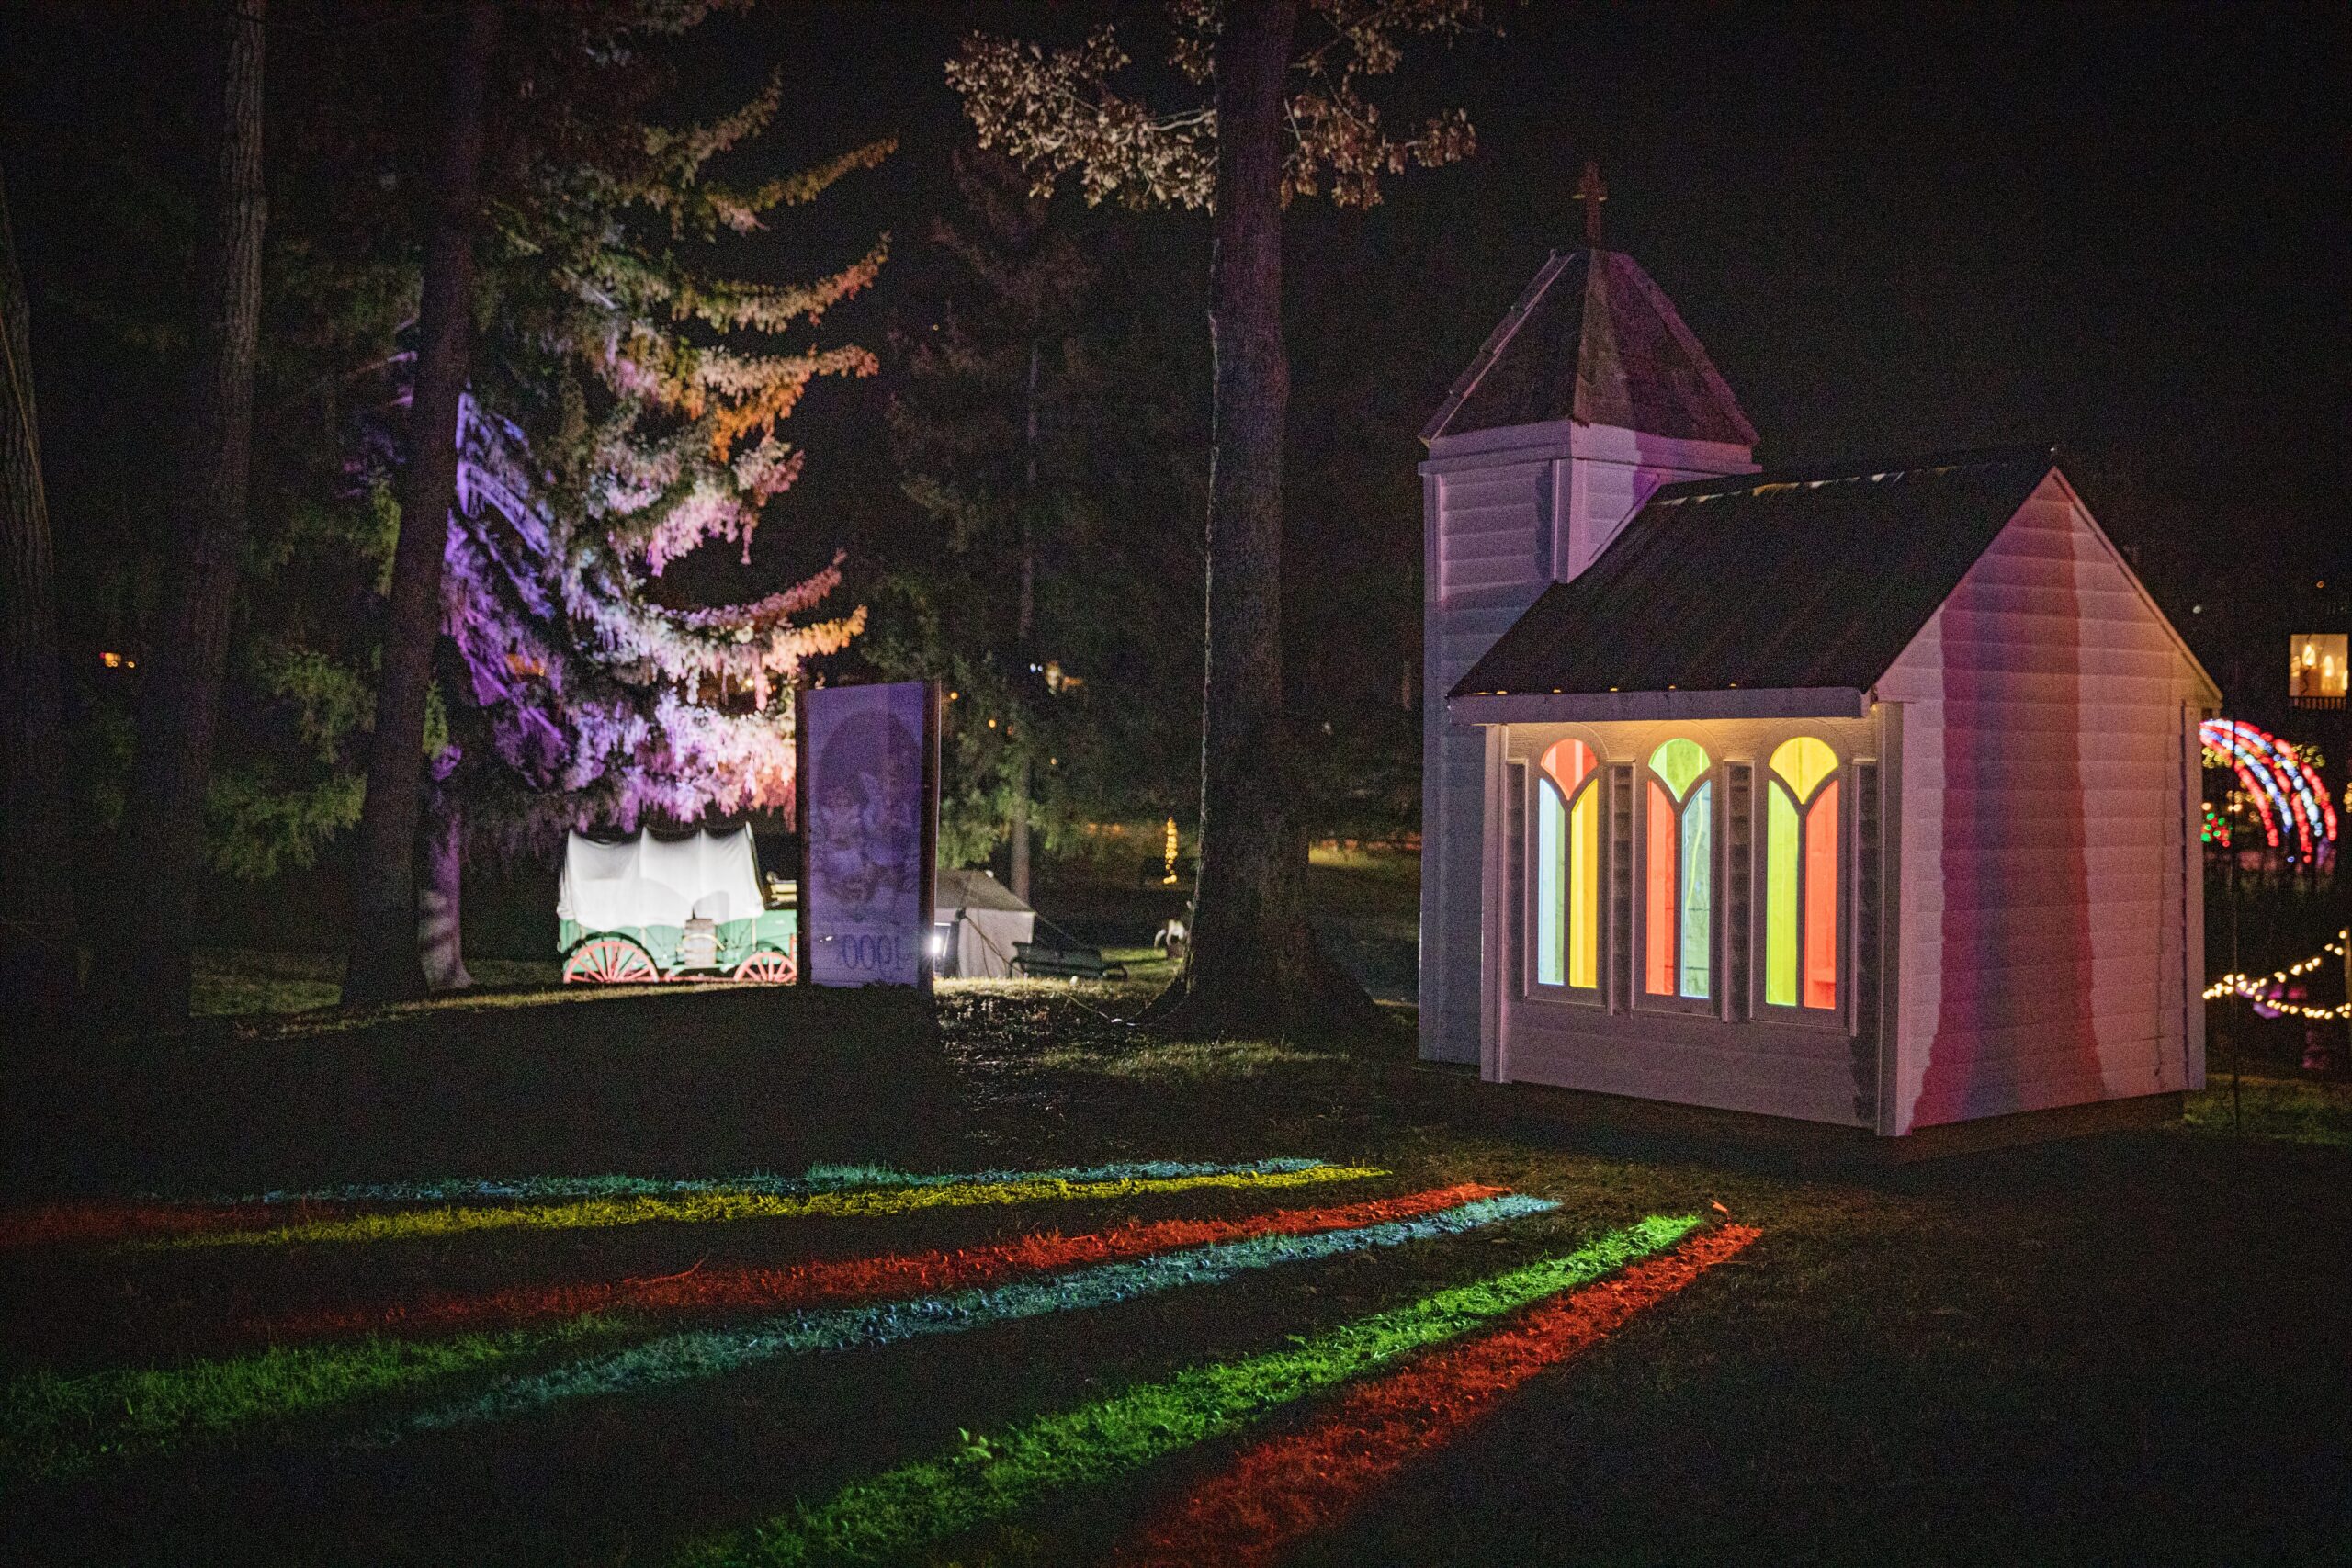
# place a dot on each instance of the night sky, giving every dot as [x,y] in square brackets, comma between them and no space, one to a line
[2117,230]
[2120,229]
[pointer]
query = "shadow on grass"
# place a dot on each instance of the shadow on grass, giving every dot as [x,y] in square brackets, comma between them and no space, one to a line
[668,1081]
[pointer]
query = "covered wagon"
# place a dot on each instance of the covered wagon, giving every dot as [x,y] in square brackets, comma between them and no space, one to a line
[651,908]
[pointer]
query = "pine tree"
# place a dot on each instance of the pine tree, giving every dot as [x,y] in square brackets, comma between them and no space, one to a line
[982,438]
[627,414]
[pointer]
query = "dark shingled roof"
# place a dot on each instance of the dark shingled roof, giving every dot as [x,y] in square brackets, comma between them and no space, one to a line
[1594,340]
[1776,580]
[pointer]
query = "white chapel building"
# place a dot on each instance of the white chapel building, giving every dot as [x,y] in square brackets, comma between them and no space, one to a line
[1863,795]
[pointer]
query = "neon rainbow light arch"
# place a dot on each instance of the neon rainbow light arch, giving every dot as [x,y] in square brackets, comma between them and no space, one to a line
[2285,790]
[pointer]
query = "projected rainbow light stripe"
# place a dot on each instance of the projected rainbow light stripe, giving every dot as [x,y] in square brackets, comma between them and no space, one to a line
[838,1279]
[1291,1486]
[1382,1389]
[704,1353]
[723,1206]
[71,1420]
[151,1217]
[891,1516]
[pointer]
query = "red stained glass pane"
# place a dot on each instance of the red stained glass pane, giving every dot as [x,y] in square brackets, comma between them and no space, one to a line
[1567,762]
[1657,945]
[1821,900]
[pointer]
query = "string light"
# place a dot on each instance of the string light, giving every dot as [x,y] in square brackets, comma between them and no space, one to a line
[2260,990]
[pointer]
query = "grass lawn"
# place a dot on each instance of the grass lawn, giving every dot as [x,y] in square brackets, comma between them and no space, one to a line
[2126,1350]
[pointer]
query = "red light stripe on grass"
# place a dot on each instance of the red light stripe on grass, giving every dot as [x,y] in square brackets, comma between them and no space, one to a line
[1291,1486]
[892,1274]
[53,1223]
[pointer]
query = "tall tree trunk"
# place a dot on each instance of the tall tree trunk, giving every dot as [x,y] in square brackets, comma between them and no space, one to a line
[439,904]
[1252,967]
[180,703]
[1025,623]
[384,964]
[37,906]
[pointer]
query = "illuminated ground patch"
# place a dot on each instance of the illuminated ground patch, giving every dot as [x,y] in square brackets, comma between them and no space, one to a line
[704,1353]
[892,1517]
[1293,1485]
[724,1207]
[854,1279]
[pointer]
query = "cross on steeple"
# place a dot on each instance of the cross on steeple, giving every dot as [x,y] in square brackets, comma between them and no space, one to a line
[1593,193]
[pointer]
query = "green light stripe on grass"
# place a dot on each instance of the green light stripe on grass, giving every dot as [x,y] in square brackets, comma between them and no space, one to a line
[56,1425]
[820,1179]
[891,1516]
[713,1352]
[718,1208]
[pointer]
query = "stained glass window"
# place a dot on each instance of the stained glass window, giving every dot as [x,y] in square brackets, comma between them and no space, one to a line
[1568,868]
[1678,887]
[1801,877]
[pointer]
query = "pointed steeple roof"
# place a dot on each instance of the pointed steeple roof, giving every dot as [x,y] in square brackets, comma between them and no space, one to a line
[1595,341]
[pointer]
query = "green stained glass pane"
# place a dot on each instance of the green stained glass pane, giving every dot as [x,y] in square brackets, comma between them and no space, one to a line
[1678,762]
[1551,853]
[1697,879]
[1780,901]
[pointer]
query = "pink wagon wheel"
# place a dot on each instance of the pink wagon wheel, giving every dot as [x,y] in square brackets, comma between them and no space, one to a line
[768,967]
[610,960]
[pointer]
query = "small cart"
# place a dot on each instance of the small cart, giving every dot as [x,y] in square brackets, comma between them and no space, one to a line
[647,908]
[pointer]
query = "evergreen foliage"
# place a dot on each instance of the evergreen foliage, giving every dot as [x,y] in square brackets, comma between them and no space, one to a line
[1046,426]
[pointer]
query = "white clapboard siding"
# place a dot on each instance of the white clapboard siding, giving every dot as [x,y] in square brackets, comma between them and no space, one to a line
[1503,516]
[1486,557]
[2046,915]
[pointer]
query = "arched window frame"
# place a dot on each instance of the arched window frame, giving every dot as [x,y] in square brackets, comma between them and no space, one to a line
[1557,801]
[1702,794]
[1774,788]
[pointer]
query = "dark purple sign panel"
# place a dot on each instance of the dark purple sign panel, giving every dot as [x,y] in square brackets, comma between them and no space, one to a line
[869,793]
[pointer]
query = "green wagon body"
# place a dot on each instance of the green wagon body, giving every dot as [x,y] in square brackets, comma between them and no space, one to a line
[777,930]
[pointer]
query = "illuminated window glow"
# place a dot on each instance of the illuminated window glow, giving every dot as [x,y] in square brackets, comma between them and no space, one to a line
[1801,876]
[1679,903]
[1567,867]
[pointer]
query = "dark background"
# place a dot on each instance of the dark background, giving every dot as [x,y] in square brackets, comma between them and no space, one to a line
[2120,229]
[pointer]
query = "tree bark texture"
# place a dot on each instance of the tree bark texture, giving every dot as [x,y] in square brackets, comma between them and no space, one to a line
[439,902]
[1253,968]
[37,905]
[383,963]
[180,699]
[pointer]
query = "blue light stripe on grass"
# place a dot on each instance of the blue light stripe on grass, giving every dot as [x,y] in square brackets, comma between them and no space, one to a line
[820,1179]
[893,1516]
[703,1353]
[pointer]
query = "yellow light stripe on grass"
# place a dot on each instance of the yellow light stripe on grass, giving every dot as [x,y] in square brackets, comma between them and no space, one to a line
[717,1208]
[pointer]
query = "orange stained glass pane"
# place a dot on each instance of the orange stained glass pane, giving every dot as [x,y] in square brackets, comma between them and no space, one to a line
[1567,762]
[1821,900]
[1657,945]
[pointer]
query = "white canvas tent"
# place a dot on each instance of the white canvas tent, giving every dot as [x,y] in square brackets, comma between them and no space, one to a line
[647,881]
[979,920]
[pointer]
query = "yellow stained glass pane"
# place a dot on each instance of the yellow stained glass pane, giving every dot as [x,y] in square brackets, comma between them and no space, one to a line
[1804,762]
[1584,890]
